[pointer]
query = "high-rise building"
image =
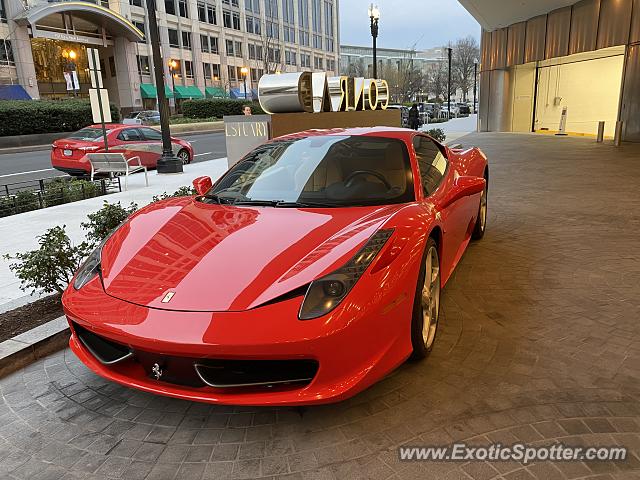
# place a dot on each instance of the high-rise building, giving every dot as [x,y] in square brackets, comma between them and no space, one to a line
[205,44]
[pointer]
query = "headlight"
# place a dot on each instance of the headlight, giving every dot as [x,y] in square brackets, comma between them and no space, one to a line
[327,292]
[89,269]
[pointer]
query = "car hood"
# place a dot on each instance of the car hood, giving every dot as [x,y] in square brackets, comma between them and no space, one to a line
[224,258]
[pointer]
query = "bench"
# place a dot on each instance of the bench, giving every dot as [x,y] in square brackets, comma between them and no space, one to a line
[116,163]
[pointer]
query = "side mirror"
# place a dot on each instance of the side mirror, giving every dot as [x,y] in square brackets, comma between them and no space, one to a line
[202,184]
[464,186]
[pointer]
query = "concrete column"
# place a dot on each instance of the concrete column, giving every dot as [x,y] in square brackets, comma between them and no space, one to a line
[129,96]
[21,44]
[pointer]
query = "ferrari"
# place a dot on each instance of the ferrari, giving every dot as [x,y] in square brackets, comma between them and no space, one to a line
[310,270]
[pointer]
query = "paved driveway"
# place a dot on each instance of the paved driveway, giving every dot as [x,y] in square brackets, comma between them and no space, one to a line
[539,343]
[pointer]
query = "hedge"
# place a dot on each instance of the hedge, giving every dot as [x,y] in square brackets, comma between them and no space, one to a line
[216,107]
[24,117]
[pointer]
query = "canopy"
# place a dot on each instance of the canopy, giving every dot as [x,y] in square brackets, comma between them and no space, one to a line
[148,90]
[187,91]
[215,92]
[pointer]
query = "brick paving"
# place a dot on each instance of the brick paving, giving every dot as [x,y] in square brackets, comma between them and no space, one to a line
[539,342]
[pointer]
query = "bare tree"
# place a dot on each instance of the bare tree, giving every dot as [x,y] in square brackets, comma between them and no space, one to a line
[272,46]
[356,69]
[465,52]
[437,79]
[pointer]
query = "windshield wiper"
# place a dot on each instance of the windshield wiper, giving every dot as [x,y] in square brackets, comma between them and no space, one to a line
[217,198]
[259,203]
[305,205]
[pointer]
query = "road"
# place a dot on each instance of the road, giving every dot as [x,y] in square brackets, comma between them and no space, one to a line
[28,166]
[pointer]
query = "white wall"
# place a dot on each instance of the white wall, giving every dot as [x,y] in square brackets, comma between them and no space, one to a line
[590,89]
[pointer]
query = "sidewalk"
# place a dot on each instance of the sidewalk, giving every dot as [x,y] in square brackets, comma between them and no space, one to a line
[456,127]
[18,232]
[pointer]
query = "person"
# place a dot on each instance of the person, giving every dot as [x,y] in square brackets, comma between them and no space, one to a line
[246,109]
[414,121]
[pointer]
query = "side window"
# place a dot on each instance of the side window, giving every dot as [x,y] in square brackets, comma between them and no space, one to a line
[129,135]
[431,162]
[151,134]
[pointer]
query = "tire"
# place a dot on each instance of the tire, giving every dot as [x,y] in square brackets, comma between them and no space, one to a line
[423,337]
[481,221]
[184,156]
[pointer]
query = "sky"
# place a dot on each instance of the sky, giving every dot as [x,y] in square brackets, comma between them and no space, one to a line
[403,23]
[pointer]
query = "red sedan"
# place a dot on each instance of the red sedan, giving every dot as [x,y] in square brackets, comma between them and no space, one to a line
[308,272]
[69,154]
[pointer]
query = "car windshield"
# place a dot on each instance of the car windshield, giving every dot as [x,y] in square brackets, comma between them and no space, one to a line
[331,171]
[87,134]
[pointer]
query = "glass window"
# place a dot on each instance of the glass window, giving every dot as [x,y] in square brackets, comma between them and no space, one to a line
[202,12]
[229,48]
[112,66]
[6,53]
[214,44]
[151,134]
[204,43]
[431,163]
[238,49]
[173,38]
[232,72]
[331,170]
[135,3]
[236,21]
[186,40]
[303,13]
[130,135]
[188,68]
[87,134]
[211,15]
[140,26]
[206,68]
[182,8]
[215,71]
[328,18]
[143,65]
[170,6]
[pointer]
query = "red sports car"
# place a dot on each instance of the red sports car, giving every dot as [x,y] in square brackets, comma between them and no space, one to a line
[309,271]
[69,154]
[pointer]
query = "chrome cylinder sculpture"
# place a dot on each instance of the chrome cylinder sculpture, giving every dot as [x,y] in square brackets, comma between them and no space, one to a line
[286,92]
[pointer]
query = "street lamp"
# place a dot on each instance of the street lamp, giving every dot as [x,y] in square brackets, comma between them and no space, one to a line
[374,16]
[168,162]
[244,71]
[475,83]
[173,65]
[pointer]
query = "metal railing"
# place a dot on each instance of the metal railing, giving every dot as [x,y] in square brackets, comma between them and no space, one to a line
[25,196]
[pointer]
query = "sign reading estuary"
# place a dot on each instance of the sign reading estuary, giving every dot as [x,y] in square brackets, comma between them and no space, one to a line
[316,92]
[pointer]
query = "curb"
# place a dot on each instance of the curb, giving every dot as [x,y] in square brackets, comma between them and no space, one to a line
[32,345]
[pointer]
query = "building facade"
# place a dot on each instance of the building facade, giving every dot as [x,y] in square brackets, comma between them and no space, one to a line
[204,44]
[553,61]
[358,60]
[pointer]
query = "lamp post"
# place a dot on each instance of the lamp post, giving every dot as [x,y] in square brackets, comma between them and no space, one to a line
[374,16]
[244,71]
[449,51]
[475,83]
[168,162]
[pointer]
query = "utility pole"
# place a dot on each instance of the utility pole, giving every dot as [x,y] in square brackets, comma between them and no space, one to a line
[449,50]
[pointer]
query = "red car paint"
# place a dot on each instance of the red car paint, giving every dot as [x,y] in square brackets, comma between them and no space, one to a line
[69,154]
[226,264]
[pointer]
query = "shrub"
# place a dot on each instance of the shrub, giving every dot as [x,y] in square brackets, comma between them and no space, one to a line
[50,267]
[22,117]
[106,220]
[437,134]
[216,107]
[185,191]
[63,190]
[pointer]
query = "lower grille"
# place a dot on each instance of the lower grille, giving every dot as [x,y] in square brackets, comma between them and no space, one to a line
[255,373]
[106,351]
[199,373]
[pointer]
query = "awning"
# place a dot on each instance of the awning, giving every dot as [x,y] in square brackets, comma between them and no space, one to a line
[13,92]
[148,90]
[116,24]
[215,92]
[187,91]
[239,93]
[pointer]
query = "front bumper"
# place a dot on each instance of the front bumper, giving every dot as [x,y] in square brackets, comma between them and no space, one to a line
[353,347]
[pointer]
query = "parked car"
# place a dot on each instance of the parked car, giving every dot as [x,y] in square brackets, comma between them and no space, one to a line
[309,271]
[463,108]
[429,111]
[69,154]
[146,117]
[404,113]
[444,110]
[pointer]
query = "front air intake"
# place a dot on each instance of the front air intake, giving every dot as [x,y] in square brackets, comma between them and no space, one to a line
[255,373]
[106,351]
